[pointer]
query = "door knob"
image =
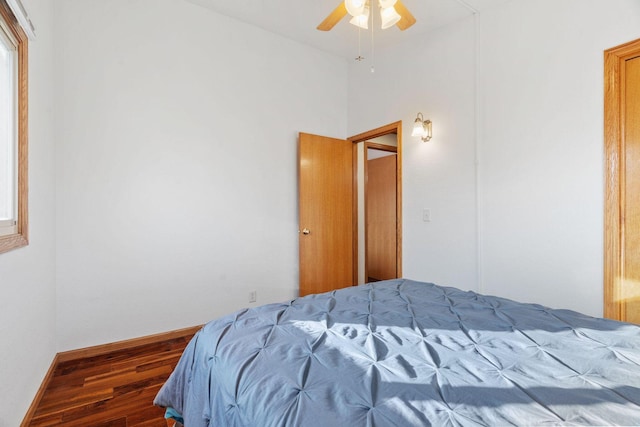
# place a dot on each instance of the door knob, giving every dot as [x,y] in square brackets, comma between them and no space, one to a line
[306,231]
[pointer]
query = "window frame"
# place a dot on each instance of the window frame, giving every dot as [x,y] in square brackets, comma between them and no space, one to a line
[20,237]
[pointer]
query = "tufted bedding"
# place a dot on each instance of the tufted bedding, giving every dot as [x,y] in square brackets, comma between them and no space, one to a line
[405,353]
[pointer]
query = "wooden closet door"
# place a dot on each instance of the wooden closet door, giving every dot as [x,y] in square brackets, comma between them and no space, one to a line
[381,218]
[622,183]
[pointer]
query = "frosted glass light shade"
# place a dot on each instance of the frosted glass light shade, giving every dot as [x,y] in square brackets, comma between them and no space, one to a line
[389,17]
[422,128]
[361,21]
[418,128]
[355,7]
[386,3]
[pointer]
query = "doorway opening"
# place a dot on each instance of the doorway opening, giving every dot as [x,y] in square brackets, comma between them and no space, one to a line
[378,203]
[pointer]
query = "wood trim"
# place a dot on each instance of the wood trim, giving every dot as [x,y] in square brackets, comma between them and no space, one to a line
[399,199]
[99,350]
[21,237]
[612,248]
[365,197]
[395,127]
[381,147]
[38,397]
[374,133]
[614,59]
[354,213]
[23,139]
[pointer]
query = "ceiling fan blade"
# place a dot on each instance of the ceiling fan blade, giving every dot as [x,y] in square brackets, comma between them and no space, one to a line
[407,19]
[333,18]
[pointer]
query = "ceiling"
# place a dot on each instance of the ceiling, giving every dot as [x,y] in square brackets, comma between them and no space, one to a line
[298,19]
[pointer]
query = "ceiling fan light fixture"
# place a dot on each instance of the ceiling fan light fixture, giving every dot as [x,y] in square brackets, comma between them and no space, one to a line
[386,3]
[389,17]
[355,7]
[361,21]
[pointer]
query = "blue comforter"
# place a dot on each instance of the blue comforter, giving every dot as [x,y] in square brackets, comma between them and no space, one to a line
[404,353]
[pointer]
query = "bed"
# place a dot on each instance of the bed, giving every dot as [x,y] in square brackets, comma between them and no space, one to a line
[404,353]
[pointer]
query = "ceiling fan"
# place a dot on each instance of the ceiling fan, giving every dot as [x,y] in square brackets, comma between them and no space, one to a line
[391,12]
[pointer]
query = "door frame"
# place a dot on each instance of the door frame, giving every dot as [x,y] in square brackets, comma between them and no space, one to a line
[614,152]
[395,127]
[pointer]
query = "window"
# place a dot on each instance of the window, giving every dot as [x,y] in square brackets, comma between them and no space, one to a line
[13,131]
[8,106]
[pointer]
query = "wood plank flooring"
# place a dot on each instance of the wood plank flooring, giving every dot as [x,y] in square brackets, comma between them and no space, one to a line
[110,390]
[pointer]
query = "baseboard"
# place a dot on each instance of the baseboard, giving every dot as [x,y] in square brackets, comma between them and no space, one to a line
[99,350]
[36,400]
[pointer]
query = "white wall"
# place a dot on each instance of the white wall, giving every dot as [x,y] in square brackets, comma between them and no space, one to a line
[176,156]
[27,314]
[435,76]
[542,147]
[539,144]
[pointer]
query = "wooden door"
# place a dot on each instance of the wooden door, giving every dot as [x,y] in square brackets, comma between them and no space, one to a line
[631,213]
[395,129]
[622,182]
[326,213]
[381,218]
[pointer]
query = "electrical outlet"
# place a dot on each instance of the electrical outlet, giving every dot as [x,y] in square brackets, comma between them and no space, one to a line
[253,296]
[426,215]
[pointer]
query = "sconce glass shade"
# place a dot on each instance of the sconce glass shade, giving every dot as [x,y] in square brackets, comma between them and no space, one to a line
[355,7]
[418,126]
[422,128]
[361,21]
[389,17]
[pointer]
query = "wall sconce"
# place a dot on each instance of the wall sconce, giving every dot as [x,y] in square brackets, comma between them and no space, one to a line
[422,128]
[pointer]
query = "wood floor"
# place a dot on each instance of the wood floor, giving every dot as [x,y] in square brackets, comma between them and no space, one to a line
[115,389]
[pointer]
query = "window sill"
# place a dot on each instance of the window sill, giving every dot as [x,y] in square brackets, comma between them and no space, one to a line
[12,241]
